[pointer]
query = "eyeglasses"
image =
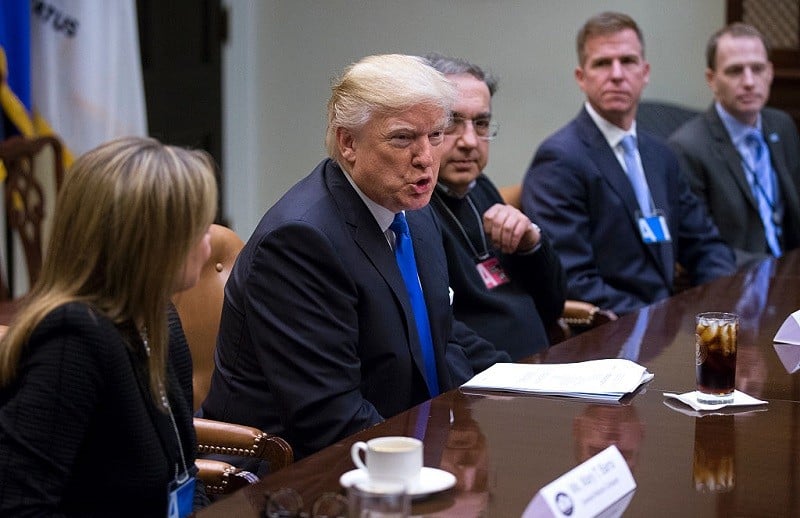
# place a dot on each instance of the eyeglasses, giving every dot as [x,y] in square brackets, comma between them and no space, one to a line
[287,503]
[483,127]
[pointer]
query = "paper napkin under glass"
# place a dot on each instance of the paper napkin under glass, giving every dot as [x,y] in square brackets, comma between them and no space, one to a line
[739,399]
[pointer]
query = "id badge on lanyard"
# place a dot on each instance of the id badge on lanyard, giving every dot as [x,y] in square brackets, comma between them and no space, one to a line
[180,496]
[653,228]
[492,273]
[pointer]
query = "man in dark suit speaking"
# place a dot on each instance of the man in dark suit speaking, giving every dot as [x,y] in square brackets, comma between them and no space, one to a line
[327,326]
[613,199]
[742,158]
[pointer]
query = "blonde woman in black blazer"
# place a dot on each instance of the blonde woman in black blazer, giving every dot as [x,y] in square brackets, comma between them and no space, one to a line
[95,385]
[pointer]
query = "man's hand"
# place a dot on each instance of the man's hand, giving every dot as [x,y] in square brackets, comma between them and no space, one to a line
[509,229]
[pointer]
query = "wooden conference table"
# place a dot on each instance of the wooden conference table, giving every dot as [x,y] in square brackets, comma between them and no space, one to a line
[503,448]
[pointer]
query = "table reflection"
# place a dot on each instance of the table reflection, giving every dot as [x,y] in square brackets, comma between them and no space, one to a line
[755,292]
[789,355]
[466,455]
[751,368]
[714,452]
[600,426]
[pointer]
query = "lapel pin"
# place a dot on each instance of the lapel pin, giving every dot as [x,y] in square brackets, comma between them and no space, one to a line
[773,137]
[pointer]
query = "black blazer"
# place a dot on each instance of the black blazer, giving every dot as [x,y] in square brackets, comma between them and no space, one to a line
[317,339]
[715,172]
[79,433]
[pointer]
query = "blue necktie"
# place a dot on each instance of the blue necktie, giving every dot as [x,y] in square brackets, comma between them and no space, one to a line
[763,188]
[404,254]
[636,175]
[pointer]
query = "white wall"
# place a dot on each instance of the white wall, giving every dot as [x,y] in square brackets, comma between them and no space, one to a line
[282,54]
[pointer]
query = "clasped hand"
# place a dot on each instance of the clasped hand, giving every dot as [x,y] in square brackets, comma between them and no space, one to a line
[509,229]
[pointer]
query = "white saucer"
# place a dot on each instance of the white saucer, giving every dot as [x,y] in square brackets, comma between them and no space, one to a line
[431,480]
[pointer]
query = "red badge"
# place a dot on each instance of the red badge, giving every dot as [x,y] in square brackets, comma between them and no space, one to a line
[492,273]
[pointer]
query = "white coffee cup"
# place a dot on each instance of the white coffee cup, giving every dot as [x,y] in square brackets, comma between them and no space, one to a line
[390,457]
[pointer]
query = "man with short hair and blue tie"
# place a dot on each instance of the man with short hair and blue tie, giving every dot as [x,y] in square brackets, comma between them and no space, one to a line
[337,313]
[613,198]
[743,158]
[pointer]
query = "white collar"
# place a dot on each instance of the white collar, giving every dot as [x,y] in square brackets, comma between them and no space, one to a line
[611,132]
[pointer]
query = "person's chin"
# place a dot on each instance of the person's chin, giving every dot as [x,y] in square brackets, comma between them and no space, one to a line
[417,200]
[750,108]
[458,175]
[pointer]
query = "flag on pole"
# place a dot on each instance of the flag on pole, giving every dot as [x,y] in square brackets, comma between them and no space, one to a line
[86,75]
[15,67]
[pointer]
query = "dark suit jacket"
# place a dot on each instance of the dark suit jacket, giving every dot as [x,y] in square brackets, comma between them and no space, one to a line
[317,339]
[579,194]
[715,173]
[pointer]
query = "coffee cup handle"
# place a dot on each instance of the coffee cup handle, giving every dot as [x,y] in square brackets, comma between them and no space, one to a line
[355,453]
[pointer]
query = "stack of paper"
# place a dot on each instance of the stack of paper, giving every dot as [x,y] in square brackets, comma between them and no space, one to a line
[596,379]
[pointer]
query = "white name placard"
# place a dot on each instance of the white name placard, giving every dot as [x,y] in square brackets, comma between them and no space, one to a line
[601,486]
[789,333]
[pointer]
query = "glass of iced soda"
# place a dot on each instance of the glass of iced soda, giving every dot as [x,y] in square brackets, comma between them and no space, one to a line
[715,349]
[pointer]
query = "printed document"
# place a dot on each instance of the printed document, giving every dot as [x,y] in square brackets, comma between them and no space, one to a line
[608,379]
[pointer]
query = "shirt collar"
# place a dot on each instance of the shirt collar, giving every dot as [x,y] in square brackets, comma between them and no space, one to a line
[611,132]
[447,191]
[736,129]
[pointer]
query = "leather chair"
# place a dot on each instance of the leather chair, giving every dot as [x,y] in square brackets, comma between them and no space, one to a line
[30,186]
[200,307]
[200,310]
[578,315]
[229,439]
[662,118]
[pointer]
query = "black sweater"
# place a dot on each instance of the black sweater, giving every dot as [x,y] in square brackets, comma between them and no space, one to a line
[514,316]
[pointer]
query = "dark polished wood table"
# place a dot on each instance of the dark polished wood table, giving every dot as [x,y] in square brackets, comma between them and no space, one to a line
[504,448]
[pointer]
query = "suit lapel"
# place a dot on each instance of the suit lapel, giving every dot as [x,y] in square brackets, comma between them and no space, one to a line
[786,185]
[728,154]
[776,150]
[372,242]
[607,164]
[778,154]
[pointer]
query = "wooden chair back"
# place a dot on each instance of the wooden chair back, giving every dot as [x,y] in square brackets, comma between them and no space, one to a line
[26,201]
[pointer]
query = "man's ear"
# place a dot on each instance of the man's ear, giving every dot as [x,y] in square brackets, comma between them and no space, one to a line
[579,77]
[710,80]
[346,142]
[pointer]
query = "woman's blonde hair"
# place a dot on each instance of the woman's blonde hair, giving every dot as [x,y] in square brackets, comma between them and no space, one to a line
[126,217]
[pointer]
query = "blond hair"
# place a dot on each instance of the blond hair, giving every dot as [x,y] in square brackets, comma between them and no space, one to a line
[126,217]
[386,84]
